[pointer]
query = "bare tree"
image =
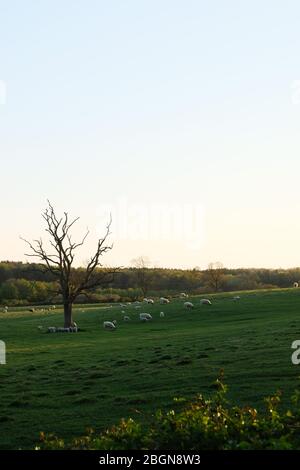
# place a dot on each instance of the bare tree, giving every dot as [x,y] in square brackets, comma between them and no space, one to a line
[141,266]
[71,282]
[214,275]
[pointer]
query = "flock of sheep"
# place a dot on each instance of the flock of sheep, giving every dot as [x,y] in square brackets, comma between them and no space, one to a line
[145,317]
[41,310]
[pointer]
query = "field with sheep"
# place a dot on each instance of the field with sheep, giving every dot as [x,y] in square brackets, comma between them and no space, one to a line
[64,383]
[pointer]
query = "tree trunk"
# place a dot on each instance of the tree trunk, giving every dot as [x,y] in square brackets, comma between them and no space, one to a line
[68,315]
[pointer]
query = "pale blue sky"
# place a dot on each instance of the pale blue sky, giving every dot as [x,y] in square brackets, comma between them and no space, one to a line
[164,102]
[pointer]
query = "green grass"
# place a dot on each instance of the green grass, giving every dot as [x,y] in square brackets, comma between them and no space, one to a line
[63,383]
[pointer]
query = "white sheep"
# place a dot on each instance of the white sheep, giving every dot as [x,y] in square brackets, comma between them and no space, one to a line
[123,311]
[183,295]
[62,330]
[109,325]
[150,301]
[5,310]
[237,297]
[188,305]
[51,329]
[73,329]
[126,318]
[164,300]
[296,284]
[205,302]
[145,316]
[40,327]
[145,300]
[162,315]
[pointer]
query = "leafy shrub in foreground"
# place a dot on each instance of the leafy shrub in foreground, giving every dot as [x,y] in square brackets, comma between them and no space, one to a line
[203,424]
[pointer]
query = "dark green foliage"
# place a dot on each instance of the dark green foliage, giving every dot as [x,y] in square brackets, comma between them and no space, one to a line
[26,283]
[204,423]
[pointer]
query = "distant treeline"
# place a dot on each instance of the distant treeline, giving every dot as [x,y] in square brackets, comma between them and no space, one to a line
[26,283]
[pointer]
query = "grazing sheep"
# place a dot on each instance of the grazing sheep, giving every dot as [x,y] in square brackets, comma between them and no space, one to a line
[109,325]
[296,284]
[145,316]
[205,302]
[137,306]
[237,297]
[5,310]
[162,315]
[188,305]
[126,318]
[123,311]
[150,301]
[145,300]
[32,310]
[51,329]
[73,329]
[183,295]
[40,327]
[164,300]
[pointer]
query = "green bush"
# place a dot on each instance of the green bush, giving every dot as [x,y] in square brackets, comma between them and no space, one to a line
[205,424]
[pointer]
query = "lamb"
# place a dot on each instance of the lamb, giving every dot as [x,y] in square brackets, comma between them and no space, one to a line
[126,318]
[188,305]
[162,315]
[109,325]
[205,302]
[145,316]
[164,300]
[296,284]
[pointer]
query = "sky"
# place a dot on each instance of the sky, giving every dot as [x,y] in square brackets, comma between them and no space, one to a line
[182,119]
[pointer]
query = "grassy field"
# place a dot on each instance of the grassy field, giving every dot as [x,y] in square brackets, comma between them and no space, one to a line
[63,383]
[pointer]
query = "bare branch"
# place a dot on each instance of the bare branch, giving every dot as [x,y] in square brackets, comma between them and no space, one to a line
[72,282]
